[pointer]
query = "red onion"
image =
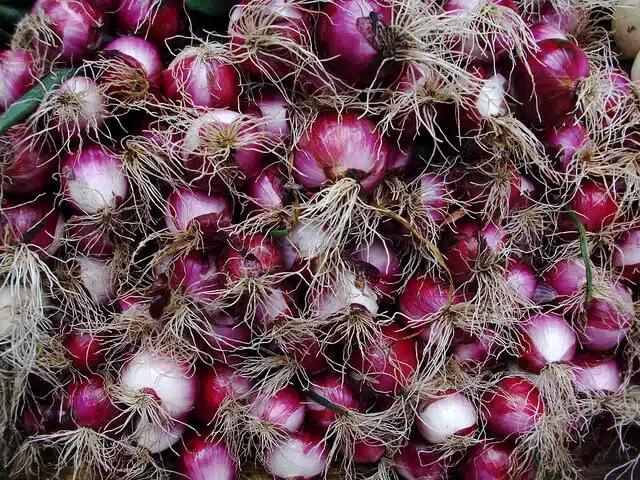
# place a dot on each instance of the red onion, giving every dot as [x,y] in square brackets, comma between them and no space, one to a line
[270,36]
[222,148]
[343,294]
[203,457]
[24,169]
[42,417]
[189,209]
[196,276]
[105,5]
[268,191]
[250,256]
[595,205]
[351,38]
[155,21]
[284,409]
[545,81]
[90,403]
[564,141]
[596,374]
[310,354]
[417,461]
[490,460]
[93,180]
[273,109]
[521,279]
[544,31]
[626,256]
[202,76]
[606,321]
[227,339]
[386,366]
[91,240]
[448,414]
[483,46]
[302,243]
[490,99]
[133,69]
[341,147]
[217,385]
[17,76]
[167,380]
[158,438]
[565,278]
[85,350]
[547,339]
[434,196]
[477,354]
[382,259]
[77,26]
[332,387]
[614,100]
[35,223]
[366,452]
[302,456]
[98,277]
[568,19]
[463,246]
[512,408]
[277,307]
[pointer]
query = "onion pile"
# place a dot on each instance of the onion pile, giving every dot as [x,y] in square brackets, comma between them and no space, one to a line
[381,239]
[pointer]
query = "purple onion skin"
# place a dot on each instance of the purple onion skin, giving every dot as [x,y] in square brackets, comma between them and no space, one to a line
[203,457]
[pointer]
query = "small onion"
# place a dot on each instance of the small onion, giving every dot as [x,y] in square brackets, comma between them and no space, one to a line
[91,240]
[477,354]
[188,208]
[93,181]
[273,110]
[547,339]
[337,147]
[565,278]
[595,205]
[417,461]
[545,81]
[346,293]
[205,457]
[513,408]
[365,452]
[596,374]
[276,308]
[167,380]
[90,404]
[216,386]
[284,409]
[302,456]
[157,438]
[626,256]
[494,461]
[568,18]
[388,365]
[202,77]
[85,350]
[490,99]
[446,415]
[381,264]
[250,256]
[564,141]
[267,191]
[43,417]
[332,387]
[520,279]
[17,76]
[152,20]
[195,276]
[24,169]
[228,337]
[98,277]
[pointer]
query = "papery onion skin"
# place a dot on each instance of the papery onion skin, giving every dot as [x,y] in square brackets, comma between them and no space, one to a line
[195,276]
[477,354]
[521,279]
[302,457]
[85,350]
[36,223]
[349,40]
[338,147]
[273,109]
[567,19]
[595,205]
[168,380]
[17,76]
[205,457]
[490,460]
[596,374]
[80,28]
[149,20]
[546,338]
[513,408]
[386,263]
[332,387]
[390,364]
[448,414]
[90,403]
[417,461]
[144,53]
[311,355]
[626,255]
[626,20]
[216,386]
[285,409]
[209,82]
[422,298]
[544,31]
[490,99]
[545,82]
[189,208]
[250,256]
[93,180]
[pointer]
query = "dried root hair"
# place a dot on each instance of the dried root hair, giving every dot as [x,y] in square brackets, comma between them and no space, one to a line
[528,229]
[34,34]
[271,373]
[383,470]
[27,461]
[139,405]
[230,424]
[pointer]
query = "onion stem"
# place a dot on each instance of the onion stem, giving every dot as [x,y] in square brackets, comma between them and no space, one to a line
[324,402]
[22,108]
[211,8]
[584,249]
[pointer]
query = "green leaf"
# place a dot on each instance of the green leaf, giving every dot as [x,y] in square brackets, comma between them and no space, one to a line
[20,110]
[584,249]
[279,233]
[9,16]
[211,8]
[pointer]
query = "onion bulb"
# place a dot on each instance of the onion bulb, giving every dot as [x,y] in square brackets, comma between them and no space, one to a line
[302,456]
